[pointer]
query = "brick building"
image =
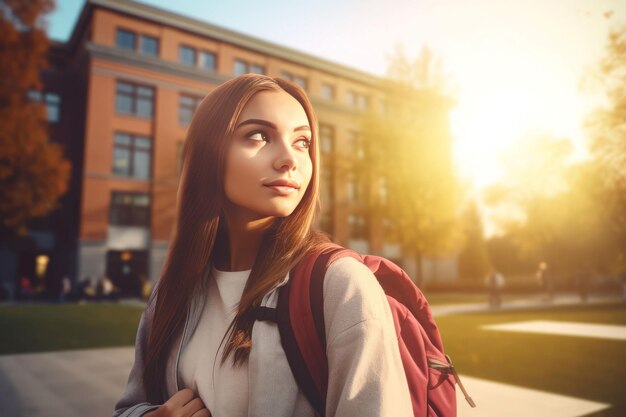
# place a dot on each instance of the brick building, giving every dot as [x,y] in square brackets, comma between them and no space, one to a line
[124,88]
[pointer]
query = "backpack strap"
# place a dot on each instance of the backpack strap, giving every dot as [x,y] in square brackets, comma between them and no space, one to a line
[299,315]
[297,363]
[306,317]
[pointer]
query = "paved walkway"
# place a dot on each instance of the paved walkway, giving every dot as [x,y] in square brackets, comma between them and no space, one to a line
[76,383]
[531,302]
[561,328]
[88,382]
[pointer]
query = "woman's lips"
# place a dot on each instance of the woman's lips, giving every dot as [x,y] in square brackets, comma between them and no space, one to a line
[282,189]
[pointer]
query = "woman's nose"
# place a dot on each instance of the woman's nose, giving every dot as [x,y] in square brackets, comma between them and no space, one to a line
[285,158]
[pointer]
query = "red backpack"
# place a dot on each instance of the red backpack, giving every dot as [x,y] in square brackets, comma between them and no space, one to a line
[300,318]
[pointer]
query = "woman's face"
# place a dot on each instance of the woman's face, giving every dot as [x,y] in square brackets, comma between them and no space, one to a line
[268,167]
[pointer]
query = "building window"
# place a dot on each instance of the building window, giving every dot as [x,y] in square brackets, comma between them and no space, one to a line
[149,45]
[326,187]
[357,145]
[355,189]
[187,106]
[53,106]
[351,98]
[382,108]
[359,101]
[301,81]
[134,99]
[52,101]
[328,92]
[352,189]
[362,102]
[390,228]
[130,209]
[257,69]
[326,139]
[242,67]
[132,155]
[125,39]
[357,226]
[208,60]
[383,190]
[187,55]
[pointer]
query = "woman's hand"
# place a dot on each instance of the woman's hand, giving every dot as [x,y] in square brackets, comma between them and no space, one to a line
[182,404]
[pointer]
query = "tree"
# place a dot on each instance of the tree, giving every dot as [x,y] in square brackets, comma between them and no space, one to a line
[524,201]
[409,148]
[607,128]
[558,216]
[474,262]
[33,171]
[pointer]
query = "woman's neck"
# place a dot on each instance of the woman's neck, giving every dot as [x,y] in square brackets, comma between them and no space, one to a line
[244,242]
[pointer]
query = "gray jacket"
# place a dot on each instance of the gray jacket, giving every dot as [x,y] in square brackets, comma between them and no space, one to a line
[366,377]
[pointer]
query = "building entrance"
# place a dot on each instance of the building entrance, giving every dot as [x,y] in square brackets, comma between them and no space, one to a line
[127,269]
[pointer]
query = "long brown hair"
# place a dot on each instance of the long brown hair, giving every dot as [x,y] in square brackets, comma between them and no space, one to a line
[197,228]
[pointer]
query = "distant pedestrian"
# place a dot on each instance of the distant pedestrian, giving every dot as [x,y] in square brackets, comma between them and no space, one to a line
[108,289]
[146,287]
[545,281]
[582,284]
[495,283]
[87,289]
[66,289]
[26,288]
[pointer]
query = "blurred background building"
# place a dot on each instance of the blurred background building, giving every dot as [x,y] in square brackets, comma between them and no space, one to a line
[120,94]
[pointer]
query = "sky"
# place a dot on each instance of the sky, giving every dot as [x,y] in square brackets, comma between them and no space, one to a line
[514,67]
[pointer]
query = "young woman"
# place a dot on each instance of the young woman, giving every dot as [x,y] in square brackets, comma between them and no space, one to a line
[247,200]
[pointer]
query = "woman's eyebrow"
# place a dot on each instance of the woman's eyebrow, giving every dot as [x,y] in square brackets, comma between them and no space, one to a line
[269,124]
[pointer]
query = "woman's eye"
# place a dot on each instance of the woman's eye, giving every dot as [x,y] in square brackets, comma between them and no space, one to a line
[258,136]
[305,142]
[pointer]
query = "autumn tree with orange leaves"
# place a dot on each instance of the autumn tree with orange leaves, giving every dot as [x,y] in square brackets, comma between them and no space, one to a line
[33,171]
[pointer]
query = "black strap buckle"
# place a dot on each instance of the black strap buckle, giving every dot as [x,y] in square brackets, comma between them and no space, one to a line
[265,314]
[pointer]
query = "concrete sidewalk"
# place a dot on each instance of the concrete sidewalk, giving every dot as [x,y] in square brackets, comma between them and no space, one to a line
[75,383]
[89,382]
[527,303]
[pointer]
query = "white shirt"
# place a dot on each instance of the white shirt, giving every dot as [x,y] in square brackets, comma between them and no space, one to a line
[222,388]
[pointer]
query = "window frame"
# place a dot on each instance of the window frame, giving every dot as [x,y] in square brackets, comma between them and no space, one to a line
[195,101]
[135,97]
[328,88]
[297,79]
[183,47]
[248,67]
[201,60]
[357,226]
[126,215]
[119,31]
[132,149]
[142,38]
[325,140]
[50,100]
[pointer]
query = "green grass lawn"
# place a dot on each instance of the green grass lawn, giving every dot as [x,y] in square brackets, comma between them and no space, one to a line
[49,327]
[587,368]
